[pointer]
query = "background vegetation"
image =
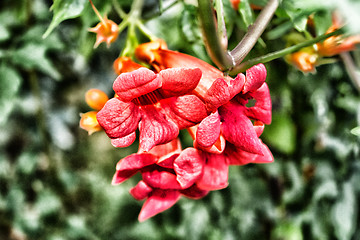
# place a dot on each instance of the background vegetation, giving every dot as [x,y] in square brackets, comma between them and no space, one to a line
[55,179]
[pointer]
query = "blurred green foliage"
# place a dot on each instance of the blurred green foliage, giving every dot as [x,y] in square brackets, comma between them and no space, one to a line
[55,179]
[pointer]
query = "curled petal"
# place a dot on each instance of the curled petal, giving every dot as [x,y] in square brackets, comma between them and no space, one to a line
[238,129]
[194,192]
[159,201]
[188,167]
[215,174]
[130,165]
[134,84]
[179,81]
[217,95]
[185,111]
[118,119]
[221,91]
[155,129]
[236,156]
[124,141]
[136,161]
[167,161]
[159,178]
[208,130]
[255,77]
[167,149]
[217,148]
[262,109]
[141,191]
[121,176]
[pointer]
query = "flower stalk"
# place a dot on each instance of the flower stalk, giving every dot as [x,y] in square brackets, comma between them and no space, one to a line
[254,32]
[213,44]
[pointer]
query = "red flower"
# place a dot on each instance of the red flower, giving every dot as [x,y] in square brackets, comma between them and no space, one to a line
[159,104]
[223,96]
[230,130]
[167,173]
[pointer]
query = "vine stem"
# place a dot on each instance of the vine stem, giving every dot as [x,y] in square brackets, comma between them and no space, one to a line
[281,53]
[351,68]
[214,47]
[254,32]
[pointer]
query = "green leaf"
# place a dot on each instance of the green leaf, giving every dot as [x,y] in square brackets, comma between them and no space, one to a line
[287,230]
[344,213]
[189,25]
[322,21]
[63,10]
[9,86]
[280,134]
[356,131]
[4,33]
[246,13]
[32,56]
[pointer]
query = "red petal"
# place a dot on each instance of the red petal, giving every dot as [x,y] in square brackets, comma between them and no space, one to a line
[236,156]
[238,129]
[217,95]
[194,192]
[179,81]
[208,130]
[167,149]
[168,162]
[188,167]
[121,176]
[262,109]
[141,191]
[221,91]
[118,118]
[161,179]
[124,141]
[255,77]
[185,111]
[130,165]
[215,175]
[135,84]
[259,127]
[155,129]
[136,161]
[159,201]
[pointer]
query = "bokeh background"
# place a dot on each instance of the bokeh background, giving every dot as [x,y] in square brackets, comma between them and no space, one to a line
[55,180]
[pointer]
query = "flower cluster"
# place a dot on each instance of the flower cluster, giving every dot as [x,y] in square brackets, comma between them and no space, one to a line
[225,117]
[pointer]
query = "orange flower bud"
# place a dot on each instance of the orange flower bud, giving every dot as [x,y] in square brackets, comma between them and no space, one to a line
[106,30]
[89,122]
[96,99]
[125,64]
[145,51]
[304,61]
[337,44]
[235,4]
